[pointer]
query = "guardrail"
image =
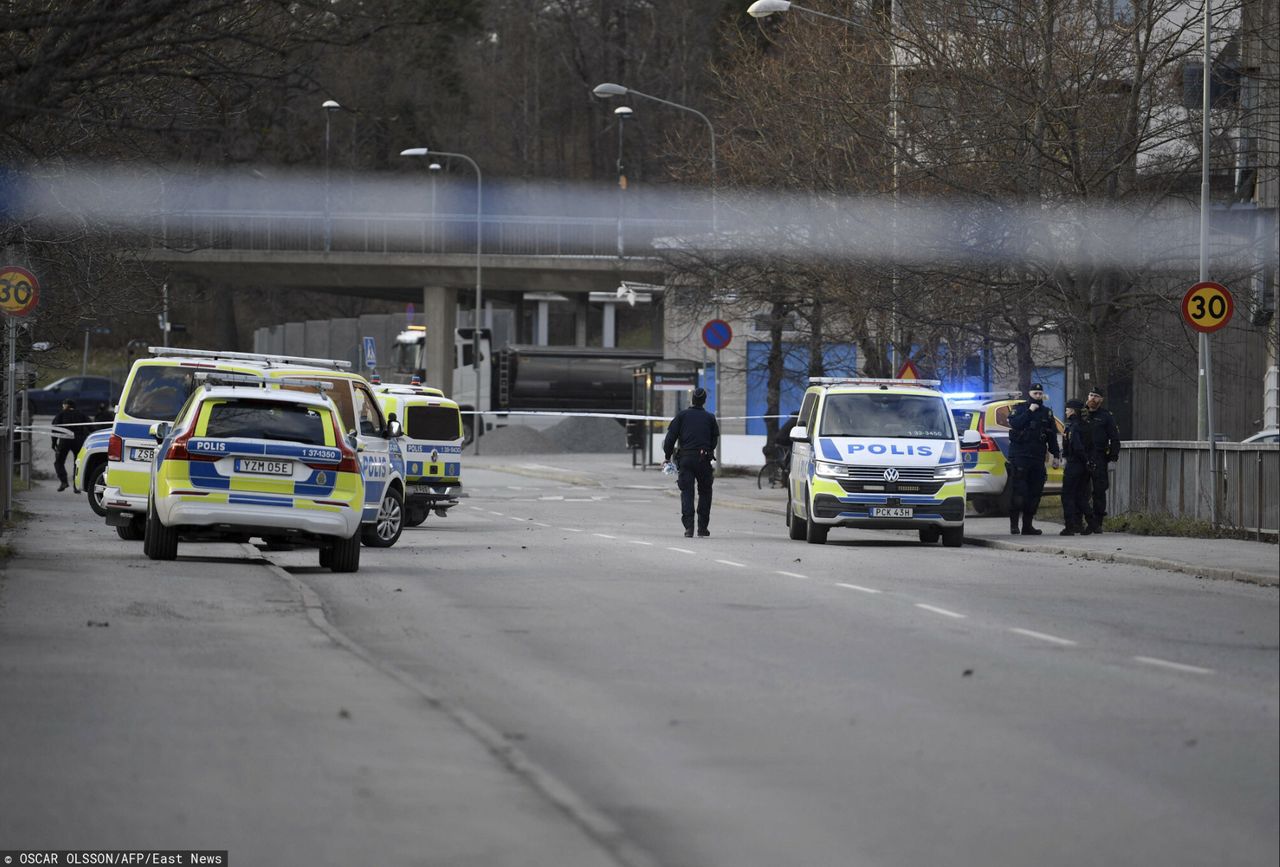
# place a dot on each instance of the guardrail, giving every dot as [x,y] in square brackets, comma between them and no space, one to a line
[303,231]
[1173,478]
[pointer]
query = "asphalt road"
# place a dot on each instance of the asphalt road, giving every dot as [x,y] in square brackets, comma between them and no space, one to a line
[554,675]
[748,700]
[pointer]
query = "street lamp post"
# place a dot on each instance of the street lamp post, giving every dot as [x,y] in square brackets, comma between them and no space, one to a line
[478,423]
[623,114]
[329,106]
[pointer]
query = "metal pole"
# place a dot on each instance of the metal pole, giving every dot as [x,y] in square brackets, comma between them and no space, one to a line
[84,362]
[24,450]
[9,394]
[715,380]
[622,122]
[1205,390]
[328,226]
[164,311]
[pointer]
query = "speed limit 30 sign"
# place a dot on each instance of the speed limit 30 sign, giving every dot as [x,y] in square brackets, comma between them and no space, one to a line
[19,290]
[1207,306]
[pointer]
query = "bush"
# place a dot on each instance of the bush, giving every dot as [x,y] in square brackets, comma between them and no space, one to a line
[1159,524]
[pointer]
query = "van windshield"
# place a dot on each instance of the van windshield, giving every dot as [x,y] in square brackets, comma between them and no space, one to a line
[266,420]
[157,391]
[886,415]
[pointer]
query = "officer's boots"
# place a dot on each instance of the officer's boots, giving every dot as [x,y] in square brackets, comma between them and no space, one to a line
[1013,523]
[1073,527]
[1094,526]
[1027,529]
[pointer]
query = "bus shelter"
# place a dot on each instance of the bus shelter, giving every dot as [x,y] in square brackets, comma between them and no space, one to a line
[649,383]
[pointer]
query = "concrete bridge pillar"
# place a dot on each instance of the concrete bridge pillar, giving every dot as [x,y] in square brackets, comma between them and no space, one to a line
[440,315]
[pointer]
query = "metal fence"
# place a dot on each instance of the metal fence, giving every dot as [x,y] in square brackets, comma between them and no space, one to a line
[1173,478]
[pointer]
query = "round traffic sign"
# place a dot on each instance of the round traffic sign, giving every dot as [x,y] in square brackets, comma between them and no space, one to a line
[1207,306]
[717,334]
[19,290]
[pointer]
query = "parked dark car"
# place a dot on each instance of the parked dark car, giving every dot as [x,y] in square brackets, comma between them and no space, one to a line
[86,391]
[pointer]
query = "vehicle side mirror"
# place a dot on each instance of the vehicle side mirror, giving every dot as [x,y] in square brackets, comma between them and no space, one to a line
[160,430]
[970,439]
[799,434]
[394,431]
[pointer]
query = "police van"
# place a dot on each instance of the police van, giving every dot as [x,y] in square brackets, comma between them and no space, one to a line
[876,454]
[432,445]
[244,457]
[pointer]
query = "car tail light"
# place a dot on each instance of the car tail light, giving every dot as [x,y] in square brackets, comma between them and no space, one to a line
[987,444]
[349,463]
[178,450]
[115,448]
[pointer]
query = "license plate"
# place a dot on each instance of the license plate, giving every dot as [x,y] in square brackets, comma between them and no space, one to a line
[144,455]
[264,468]
[891,512]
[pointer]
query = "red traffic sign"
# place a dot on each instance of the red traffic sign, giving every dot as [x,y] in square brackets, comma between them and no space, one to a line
[717,334]
[908,370]
[1207,306]
[19,290]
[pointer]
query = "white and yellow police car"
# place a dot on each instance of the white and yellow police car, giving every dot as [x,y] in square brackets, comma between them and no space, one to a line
[432,446]
[876,454]
[241,459]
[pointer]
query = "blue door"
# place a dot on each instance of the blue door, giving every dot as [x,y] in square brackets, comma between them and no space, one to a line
[1054,380]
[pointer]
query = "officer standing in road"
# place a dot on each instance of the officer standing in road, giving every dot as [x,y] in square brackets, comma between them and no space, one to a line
[696,432]
[77,423]
[1102,438]
[1075,474]
[1032,429]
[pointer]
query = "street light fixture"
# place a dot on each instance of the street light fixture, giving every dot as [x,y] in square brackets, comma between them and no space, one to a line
[329,106]
[609,89]
[478,423]
[623,114]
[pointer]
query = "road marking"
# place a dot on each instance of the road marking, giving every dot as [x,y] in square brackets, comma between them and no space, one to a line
[1176,666]
[731,563]
[604,536]
[1052,639]
[681,550]
[572,529]
[514,518]
[944,612]
[790,574]
[476,508]
[499,514]
[540,524]
[638,542]
[857,587]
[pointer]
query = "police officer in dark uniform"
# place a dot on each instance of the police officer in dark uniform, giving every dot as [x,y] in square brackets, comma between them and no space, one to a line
[1075,474]
[1102,438]
[1032,429]
[63,446]
[697,432]
[103,417]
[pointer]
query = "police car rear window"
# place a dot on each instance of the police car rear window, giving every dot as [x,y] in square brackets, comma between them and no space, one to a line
[266,420]
[157,392]
[431,423]
[886,415]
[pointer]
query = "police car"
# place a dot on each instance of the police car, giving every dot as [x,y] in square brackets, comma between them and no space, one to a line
[876,454]
[244,459]
[90,476]
[432,446]
[986,475]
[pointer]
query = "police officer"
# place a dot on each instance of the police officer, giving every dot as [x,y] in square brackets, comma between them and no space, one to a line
[104,417]
[1032,429]
[63,445]
[696,431]
[1102,438]
[1075,475]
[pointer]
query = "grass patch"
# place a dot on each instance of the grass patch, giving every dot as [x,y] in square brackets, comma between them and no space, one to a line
[1157,524]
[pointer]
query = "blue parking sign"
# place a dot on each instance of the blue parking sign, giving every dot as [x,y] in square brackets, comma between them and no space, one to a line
[370,354]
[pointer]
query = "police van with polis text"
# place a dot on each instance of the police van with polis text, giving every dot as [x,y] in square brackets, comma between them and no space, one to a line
[876,454]
[247,456]
[432,445]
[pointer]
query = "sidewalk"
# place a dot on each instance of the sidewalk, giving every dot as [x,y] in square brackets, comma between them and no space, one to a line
[1224,559]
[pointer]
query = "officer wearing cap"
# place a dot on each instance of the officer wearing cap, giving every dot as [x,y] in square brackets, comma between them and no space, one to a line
[1102,439]
[1075,474]
[696,432]
[1032,430]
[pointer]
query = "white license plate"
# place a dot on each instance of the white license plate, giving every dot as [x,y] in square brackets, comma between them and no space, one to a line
[891,512]
[144,455]
[264,468]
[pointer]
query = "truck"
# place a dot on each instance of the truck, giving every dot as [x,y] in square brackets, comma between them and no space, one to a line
[527,378]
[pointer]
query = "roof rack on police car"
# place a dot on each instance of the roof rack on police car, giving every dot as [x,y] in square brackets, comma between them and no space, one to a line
[334,363]
[854,380]
[984,395]
[212,378]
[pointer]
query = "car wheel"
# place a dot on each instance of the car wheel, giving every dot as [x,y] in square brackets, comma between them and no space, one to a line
[95,487]
[386,529]
[415,515]
[160,542]
[344,555]
[468,432]
[952,537]
[796,527]
[930,535]
[134,531]
[814,533]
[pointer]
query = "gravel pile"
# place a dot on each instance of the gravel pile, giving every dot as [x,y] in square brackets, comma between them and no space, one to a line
[517,440]
[593,435]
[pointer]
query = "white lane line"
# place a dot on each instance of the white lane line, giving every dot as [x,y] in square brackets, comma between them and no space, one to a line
[638,542]
[540,524]
[571,529]
[499,514]
[944,612]
[857,587]
[790,574]
[731,563]
[1043,636]
[604,536]
[1176,666]
[514,518]
[680,550]
[475,508]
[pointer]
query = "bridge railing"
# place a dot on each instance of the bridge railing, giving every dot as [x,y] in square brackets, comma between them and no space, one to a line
[413,233]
